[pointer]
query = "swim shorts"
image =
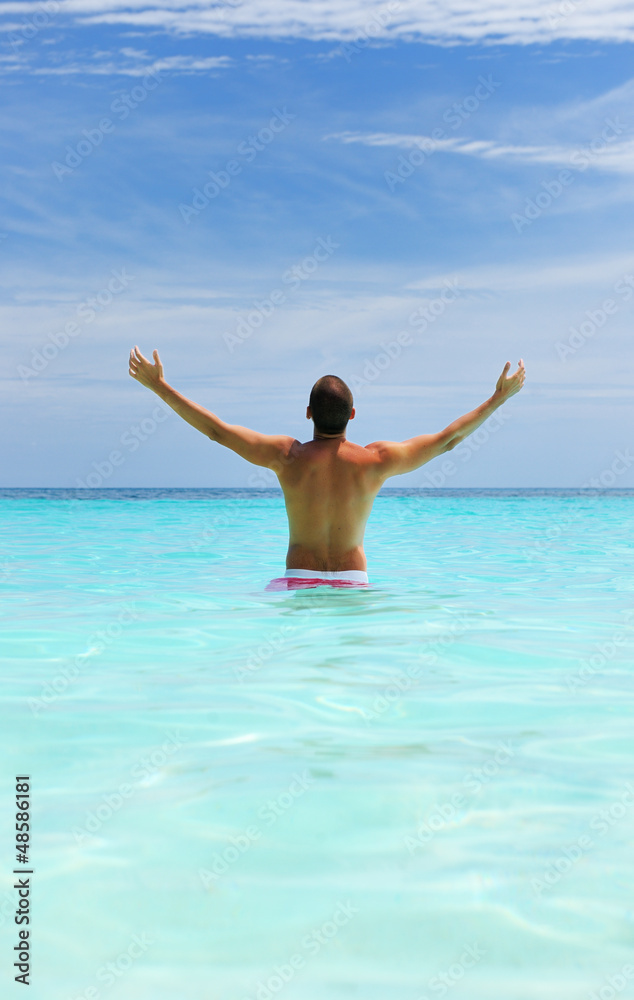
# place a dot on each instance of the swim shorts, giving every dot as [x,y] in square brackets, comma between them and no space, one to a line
[299,579]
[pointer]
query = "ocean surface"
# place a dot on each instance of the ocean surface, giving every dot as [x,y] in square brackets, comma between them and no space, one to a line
[421,789]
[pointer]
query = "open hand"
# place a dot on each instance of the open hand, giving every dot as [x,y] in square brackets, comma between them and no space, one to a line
[508,386]
[148,374]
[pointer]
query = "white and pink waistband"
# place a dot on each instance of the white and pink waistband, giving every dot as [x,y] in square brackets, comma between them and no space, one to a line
[295,579]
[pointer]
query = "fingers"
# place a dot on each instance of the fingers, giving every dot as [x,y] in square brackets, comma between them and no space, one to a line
[519,376]
[136,355]
[139,356]
[521,371]
[136,358]
[508,385]
[138,362]
[502,377]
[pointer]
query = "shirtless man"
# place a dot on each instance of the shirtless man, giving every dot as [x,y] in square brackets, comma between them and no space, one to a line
[329,483]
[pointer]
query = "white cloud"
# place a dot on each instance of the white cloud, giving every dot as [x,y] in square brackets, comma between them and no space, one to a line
[610,154]
[580,272]
[184,65]
[448,23]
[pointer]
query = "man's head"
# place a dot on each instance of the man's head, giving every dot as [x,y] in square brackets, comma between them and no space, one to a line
[330,406]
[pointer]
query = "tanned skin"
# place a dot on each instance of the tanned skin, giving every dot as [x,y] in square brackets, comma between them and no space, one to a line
[329,483]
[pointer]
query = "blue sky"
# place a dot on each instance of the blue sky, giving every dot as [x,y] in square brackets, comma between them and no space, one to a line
[270,192]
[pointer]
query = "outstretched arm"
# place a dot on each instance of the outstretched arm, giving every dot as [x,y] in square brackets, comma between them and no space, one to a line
[261,449]
[406,456]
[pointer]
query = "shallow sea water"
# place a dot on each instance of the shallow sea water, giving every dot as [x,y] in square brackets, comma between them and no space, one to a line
[419,789]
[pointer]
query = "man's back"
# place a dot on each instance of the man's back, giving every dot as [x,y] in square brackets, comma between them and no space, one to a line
[329,487]
[329,483]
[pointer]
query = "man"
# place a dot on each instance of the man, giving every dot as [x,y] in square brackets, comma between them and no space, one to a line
[329,483]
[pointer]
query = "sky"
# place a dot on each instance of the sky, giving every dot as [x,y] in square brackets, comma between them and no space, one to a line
[404,194]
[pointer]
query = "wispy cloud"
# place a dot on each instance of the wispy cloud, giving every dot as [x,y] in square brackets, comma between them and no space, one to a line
[617,157]
[182,65]
[581,272]
[450,23]
[125,62]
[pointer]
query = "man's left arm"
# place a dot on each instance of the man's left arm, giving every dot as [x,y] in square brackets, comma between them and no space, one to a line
[397,458]
[267,450]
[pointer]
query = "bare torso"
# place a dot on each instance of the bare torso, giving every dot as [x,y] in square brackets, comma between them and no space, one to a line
[329,487]
[329,483]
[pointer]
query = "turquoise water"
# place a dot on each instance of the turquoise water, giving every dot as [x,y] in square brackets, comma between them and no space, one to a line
[409,791]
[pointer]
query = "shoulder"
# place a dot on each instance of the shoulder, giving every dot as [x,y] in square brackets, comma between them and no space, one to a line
[384,451]
[365,455]
[285,443]
[389,457]
[287,449]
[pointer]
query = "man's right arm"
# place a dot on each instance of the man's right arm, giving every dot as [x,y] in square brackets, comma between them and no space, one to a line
[268,450]
[399,457]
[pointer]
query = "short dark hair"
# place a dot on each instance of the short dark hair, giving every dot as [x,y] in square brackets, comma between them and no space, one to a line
[331,404]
